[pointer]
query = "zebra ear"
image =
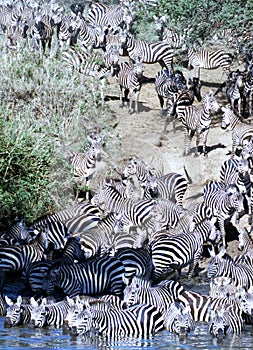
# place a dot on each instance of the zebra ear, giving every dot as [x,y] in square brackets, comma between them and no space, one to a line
[212,252]
[8,301]
[33,302]
[222,252]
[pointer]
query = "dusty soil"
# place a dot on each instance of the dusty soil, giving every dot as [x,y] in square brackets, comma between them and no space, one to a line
[142,135]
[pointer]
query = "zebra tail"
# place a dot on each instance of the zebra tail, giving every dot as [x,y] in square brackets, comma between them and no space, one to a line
[220,88]
[189,179]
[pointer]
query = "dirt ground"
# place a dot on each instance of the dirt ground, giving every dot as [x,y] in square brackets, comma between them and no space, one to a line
[142,135]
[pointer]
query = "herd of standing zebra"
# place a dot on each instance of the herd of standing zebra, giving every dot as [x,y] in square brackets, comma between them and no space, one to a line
[114,263]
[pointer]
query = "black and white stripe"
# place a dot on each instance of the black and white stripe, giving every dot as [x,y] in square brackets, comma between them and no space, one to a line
[208,59]
[149,52]
[114,323]
[242,132]
[94,277]
[223,202]
[196,120]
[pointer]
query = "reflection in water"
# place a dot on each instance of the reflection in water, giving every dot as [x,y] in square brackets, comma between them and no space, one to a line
[51,338]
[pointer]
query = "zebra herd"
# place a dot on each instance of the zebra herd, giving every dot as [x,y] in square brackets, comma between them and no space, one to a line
[114,263]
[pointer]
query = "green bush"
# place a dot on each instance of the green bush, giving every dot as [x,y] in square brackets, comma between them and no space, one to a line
[45,112]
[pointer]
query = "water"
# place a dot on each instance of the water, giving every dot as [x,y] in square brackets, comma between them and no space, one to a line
[25,337]
[51,338]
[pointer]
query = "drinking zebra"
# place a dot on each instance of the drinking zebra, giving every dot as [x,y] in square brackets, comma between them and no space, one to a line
[44,314]
[114,323]
[178,319]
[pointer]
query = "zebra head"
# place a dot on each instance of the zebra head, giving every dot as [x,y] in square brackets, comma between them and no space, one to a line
[216,264]
[76,306]
[245,300]
[219,323]
[222,287]
[243,237]
[38,313]
[226,117]
[13,315]
[138,66]
[235,200]
[210,103]
[83,323]
[178,319]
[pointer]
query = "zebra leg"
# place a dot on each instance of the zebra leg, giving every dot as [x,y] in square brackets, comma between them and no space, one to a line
[137,94]
[121,101]
[187,141]
[130,102]
[161,104]
[222,231]
[205,134]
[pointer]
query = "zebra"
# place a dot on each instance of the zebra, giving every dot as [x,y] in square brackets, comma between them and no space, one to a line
[149,52]
[166,85]
[44,314]
[114,323]
[183,98]
[223,203]
[170,186]
[17,258]
[18,233]
[142,291]
[178,319]
[208,59]
[129,78]
[42,29]
[221,265]
[169,35]
[248,87]
[197,120]
[178,251]
[98,240]
[221,287]
[135,213]
[94,277]
[37,271]
[57,234]
[91,37]
[18,312]
[234,89]
[137,262]
[236,172]
[202,304]
[219,325]
[245,242]
[136,166]
[111,16]
[84,164]
[66,215]
[241,132]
